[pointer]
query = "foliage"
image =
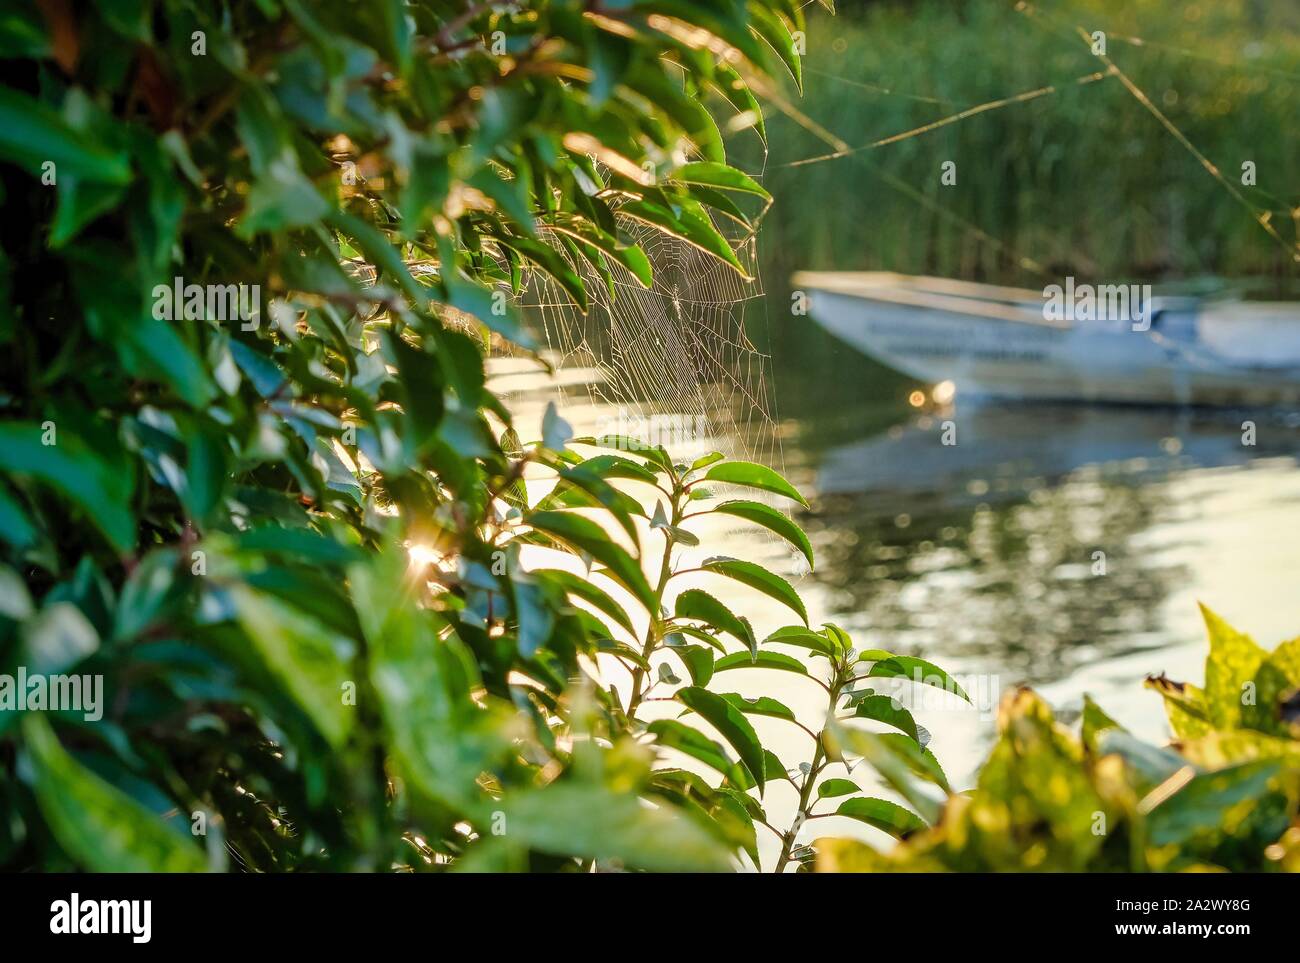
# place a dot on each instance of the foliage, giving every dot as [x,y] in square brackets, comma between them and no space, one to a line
[693,630]
[292,541]
[288,538]
[1082,181]
[1223,795]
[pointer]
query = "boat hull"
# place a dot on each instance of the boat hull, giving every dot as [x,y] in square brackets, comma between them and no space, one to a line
[1002,347]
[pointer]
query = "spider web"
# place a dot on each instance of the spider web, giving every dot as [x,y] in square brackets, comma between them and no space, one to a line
[674,360]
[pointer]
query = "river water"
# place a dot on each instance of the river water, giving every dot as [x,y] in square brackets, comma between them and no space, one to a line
[1063,547]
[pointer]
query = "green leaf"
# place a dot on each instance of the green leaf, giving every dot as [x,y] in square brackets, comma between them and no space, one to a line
[119,316]
[704,461]
[622,650]
[584,590]
[586,536]
[681,536]
[773,30]
[614,466]
[1184,705]
[764,660]
[1095,722]
[428,184]
[490,307]
[752,475]
[610,56]
[695,632]
[393,27]
[921,761]
[721,176]
[721,202]
[101,828]
[891,817]
[677,735]
[306,658]
[1232,746]
[896,768]
[915,670]
[698,661]
[803,638]
[149,594]
[301,544]
[630,256]
[725,21]
[886,709]
[843,644]
[282,198]
[830,788]
[703,607]
[31,134]
[1203,803]
[534,618]
[731,724]
[731,813]
[690,224]
[757,577]
[668,96]
[102,489]
[23,33]
[205,473]
[440,739]
[1233,661]
[654,453]
[80,202]
[1278,676]
[728,82]
[510,194]
[760,706]
[589,821]
[553,263]
[1152,764]
[15,526]
[775,768]
[594,491]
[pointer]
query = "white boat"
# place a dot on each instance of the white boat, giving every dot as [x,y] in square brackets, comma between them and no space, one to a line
[1005,342]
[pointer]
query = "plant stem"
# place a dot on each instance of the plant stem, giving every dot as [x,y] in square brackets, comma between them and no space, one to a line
[787,843]
[652,632]
[819,762]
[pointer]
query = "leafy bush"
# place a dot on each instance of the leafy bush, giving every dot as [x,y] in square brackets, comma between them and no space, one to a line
[251,262]
[692,632]
[1223,795]
[255,484]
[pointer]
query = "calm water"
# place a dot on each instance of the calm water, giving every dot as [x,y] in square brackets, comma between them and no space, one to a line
[984,556]
[1061,547]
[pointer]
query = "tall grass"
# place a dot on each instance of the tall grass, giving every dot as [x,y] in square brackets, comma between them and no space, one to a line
[1084,181]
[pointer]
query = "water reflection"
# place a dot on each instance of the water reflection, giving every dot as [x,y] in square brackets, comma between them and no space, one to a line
[1005,447]
[1024,544]
[987,555]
